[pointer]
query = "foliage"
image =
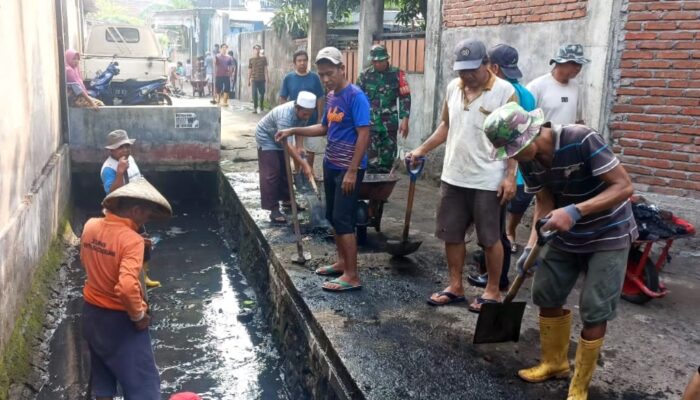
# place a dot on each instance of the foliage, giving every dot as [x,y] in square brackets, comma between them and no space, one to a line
[181,4]
[293,15]
[110,11]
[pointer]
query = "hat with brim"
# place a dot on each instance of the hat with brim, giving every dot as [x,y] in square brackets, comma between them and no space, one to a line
[577,60]
[511,72]
[140,189]
[378,53]
[118,138]
[571,52]
[511,129]
[471,64]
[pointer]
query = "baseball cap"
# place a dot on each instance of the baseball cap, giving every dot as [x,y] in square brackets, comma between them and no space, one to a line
[572,52]
[511,129]
[506,57]
[306,100]
[378,53]
[469,54]
[331,54]
[257,46]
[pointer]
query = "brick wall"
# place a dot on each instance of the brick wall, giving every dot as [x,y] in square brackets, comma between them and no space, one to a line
[462,13]
[654,121]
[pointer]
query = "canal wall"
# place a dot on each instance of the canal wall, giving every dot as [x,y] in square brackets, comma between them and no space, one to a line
[167,138]
[309,356]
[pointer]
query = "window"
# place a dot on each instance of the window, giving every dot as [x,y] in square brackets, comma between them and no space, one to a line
[121,35]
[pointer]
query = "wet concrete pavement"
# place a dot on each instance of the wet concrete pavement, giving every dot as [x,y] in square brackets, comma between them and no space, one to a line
[395,346]
[208,333]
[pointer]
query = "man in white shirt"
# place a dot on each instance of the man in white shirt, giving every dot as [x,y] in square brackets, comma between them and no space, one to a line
[557,92]
[474,187]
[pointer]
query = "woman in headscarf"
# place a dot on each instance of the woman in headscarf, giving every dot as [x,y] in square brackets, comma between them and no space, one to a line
[77,93]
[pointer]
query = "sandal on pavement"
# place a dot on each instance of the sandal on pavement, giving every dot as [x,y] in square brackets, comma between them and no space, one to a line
[475,307]
[451,299]
[277,217]
[328,270]
[344,286]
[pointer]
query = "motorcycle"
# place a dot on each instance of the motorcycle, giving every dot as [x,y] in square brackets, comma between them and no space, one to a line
[129,92]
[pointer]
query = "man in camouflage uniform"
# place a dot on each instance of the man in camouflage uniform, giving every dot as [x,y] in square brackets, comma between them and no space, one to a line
[384,84]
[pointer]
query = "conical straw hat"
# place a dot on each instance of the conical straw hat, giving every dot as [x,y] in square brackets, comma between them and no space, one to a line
[143,190]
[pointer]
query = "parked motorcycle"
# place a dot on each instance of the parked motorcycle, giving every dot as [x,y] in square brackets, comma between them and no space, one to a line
[129,92]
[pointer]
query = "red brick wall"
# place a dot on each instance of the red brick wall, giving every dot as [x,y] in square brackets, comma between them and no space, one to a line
[460,13]
[654,120]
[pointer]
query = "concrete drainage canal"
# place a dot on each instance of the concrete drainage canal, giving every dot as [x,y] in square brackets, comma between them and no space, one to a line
[214,331]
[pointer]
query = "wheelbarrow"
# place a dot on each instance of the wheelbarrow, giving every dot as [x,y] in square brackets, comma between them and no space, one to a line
[374,193]
[198,87]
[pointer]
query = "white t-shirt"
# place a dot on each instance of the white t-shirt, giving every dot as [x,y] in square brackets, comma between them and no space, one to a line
[558,101]
[468,162]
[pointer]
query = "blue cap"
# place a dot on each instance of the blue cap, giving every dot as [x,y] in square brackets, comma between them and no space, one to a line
[506,57]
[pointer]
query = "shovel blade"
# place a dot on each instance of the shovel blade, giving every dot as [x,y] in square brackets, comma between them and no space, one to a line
[499,322]
[399,249]
[301,258]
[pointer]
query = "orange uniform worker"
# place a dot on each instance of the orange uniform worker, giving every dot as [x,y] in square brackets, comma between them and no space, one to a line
[115,316]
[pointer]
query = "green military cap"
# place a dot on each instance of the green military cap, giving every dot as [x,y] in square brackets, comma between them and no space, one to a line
[378,53]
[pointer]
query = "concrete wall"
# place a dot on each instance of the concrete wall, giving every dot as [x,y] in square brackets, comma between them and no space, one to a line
[33,165]
[244,44]
[160,145]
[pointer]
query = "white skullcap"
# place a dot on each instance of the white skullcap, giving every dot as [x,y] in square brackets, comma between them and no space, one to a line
[306,100]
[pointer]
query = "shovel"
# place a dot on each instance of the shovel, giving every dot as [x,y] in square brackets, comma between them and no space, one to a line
[405,247]
[500,322]
[301,257]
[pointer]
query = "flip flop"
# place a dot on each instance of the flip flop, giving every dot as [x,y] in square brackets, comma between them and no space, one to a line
[277,218]
[480,300]
[452,298]
[514,248]
[328,270]
[344,286]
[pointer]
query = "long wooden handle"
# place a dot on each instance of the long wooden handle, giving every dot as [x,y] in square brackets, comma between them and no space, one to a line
[409,208]
[293,200]
[531,260]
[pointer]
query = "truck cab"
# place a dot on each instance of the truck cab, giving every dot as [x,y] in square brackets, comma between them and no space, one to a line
[136,48]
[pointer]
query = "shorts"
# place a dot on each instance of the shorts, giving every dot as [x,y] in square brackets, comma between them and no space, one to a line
[119,354]
[604,275]
[341,210]
[209,77]
[521,201]
[315,144]
[460,208]
[223,84]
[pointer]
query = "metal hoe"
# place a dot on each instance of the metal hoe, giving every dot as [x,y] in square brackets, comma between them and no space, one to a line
[404,247]
[500,322]
[302,256]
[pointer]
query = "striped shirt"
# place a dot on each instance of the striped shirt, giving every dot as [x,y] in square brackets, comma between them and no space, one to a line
[256,68]
[281,117]
[581,156]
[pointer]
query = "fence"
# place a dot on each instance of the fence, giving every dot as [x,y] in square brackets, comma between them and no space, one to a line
[407,54]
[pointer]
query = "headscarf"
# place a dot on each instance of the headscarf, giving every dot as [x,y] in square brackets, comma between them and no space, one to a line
[73,74]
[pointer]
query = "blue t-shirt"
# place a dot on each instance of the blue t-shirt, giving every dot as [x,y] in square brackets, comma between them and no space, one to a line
[528,102]
[345,111]
[294,83]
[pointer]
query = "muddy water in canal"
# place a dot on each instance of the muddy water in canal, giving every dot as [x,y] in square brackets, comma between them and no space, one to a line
[208,333]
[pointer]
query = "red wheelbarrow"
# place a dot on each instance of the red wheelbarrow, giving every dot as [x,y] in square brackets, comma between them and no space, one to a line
[642,281]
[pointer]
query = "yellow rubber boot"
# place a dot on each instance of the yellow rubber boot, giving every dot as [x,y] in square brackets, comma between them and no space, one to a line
[586,359]
[554,344]
[149,283]
[224,99]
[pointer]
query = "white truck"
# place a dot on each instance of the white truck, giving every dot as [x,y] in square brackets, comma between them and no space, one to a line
[135,48]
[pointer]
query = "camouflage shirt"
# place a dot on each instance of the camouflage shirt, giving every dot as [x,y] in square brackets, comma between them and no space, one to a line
[382,89]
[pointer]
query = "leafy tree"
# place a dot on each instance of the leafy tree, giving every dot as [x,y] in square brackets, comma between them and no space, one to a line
[110,11]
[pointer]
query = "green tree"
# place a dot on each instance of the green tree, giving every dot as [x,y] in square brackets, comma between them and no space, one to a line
[110,11]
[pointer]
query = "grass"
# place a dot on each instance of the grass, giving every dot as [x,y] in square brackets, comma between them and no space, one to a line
[15,357]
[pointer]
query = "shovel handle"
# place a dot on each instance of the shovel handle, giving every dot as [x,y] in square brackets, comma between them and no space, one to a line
[414,173]
[542,239]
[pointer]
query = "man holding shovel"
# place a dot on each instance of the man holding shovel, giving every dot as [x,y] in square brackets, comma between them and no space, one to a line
[474,188]
[271,167]
[583,193]
[346,122]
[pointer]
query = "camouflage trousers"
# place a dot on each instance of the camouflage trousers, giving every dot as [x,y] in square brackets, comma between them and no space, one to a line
[382,149]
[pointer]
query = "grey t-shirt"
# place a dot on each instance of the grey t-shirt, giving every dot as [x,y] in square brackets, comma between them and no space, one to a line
[581,156]
[281,117]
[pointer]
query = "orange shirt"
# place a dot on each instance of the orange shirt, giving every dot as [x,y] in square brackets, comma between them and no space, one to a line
[112,254]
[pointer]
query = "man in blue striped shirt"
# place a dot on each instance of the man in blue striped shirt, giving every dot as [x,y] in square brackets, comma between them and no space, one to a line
[583,191]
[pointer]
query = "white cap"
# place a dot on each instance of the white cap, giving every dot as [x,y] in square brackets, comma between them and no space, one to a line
[306,100]
[331,54]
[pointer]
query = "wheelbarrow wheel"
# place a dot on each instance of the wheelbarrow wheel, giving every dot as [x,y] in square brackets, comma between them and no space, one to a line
[650,277]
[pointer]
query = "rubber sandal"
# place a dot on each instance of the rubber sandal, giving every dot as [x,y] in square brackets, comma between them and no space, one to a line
[480,300]
[513,248]
[328,270]
[277,217]
[344,286]
[451,299]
